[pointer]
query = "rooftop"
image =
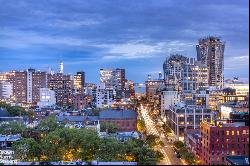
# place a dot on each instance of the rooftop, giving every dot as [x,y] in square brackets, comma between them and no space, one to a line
[76,118]
[9,138]
[118,114]
[238,160]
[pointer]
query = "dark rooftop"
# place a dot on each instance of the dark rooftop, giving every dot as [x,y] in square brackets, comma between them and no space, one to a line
[238,160]
[118,114]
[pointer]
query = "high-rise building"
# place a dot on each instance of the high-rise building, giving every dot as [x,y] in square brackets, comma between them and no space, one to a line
[62,85]
[113,78]
[19,81]
[79,81]
[210,51]
[35,81]
[172,68]
[104,96]
[194,76]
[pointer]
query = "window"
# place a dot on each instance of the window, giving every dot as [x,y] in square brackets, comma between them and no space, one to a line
[238,132]
[232,132]
[227,132]
[244,132]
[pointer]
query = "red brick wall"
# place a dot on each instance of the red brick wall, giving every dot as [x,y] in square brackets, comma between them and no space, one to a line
[215,145]
[123,125]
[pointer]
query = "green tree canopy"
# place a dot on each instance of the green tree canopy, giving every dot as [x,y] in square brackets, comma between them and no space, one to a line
[14,127]
[108,127]
[48,124]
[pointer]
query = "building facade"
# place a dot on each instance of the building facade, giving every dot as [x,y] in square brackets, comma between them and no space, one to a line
[168,98]
[113,78]
[63,87]
[79,81]
[181,117]
[104,97]
[47,98]
[6,90]
[172,68]
[210,51]
[125,120]
[221,139]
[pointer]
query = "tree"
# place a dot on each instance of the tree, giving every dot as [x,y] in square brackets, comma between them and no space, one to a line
[141,126]
[108,127]
[14,127]
[48,124]
[178,144]
[152,140]
[16,110]
[27,149]
[141,153]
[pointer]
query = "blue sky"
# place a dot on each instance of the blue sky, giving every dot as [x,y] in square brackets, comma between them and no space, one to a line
[135,35]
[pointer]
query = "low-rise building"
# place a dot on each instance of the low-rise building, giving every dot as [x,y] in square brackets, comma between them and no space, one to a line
[220,139]
[47,98]
[192,138]
[125,120]
[78,121]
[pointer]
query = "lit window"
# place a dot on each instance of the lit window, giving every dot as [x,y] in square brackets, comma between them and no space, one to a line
[238,132]
[232,132]
[227,132]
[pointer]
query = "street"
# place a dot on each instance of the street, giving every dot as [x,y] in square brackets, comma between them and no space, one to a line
[151,128]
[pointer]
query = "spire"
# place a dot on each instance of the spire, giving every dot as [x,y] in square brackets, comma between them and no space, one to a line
[61,67]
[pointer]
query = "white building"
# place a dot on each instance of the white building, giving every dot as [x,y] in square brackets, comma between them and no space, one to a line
[168,98]
[104,97]
[47,98]
[6,89]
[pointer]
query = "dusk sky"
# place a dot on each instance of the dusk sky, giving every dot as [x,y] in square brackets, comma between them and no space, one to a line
[133,34]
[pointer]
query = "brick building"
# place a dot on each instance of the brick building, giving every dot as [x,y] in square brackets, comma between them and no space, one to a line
[221,139]
[126,120]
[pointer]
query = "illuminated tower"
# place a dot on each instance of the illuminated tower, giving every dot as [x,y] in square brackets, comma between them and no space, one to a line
[210,51]
[61,68]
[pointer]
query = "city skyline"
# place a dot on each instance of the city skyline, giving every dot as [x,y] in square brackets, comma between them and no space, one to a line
[88,37]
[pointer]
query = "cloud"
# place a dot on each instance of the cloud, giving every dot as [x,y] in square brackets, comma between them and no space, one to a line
[139,49]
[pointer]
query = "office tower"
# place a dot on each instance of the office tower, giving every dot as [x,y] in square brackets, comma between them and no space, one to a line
[62,85]
[172,69]
[194,76]
[6,90]
[210,51]
[79,81]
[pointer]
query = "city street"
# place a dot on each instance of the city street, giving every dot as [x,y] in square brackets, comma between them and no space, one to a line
[151,128]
